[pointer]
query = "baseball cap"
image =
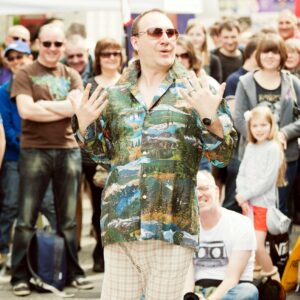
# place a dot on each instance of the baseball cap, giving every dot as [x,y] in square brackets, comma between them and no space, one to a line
[18,46]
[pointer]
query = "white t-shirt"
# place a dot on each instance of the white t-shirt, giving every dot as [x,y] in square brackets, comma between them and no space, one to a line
[233,232]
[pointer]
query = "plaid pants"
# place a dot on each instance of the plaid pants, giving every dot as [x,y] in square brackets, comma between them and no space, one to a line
[153,268]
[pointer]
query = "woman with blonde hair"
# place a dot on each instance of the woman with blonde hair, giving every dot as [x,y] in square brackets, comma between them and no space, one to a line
[197,34]
[293,60]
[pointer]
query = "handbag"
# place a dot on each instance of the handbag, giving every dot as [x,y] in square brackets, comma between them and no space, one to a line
[277,222]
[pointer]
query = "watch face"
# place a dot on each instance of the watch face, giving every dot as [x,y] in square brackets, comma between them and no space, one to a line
[206,121]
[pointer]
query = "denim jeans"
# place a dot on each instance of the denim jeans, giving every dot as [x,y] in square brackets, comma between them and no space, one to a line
[284,192]
[37,168]
[242,291]
[10,183]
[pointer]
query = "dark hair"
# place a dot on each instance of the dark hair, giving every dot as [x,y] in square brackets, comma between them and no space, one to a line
[213,30]
[229,25]
[274,43]
[251,47]
[194,60]
[136,21]
[103,44]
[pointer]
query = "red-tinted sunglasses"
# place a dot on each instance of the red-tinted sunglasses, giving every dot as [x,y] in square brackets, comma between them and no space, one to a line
[157,32]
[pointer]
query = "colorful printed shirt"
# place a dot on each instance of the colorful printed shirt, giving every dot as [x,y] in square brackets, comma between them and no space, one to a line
[154,155]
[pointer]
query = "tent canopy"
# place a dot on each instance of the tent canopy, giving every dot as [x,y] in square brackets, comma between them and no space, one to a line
[17,7]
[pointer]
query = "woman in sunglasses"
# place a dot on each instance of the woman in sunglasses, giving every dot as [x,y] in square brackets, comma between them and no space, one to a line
[197,34]
[107,67]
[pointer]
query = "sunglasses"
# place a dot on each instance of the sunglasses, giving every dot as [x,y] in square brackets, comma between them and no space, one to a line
[79,55]
[13,58]
[156,33]
[183,55]
[47,44]
[109,54]
[16,38]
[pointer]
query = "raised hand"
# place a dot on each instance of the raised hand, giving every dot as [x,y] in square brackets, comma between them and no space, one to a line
[88,109]
[199,95]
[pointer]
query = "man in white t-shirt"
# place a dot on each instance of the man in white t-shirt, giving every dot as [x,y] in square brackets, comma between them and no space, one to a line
[223,264]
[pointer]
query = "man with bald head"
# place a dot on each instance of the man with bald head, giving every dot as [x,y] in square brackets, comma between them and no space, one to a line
[48,152]
[77,56]
[287,25]
[17,33]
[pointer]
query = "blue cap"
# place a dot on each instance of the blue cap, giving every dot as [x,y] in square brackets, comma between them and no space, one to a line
[17,46]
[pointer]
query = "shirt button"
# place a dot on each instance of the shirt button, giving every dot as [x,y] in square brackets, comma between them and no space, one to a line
[144,175]
[144,197]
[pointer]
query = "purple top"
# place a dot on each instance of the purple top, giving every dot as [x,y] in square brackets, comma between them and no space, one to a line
[5,75]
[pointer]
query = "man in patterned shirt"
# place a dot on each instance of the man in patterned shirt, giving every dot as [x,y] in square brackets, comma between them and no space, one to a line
[152,127]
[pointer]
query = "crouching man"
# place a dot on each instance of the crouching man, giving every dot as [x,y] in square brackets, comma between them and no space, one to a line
[223,264]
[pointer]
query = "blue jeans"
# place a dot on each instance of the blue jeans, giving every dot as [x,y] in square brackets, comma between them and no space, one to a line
[37,168]
[9,210]
[284,192]
[242,291]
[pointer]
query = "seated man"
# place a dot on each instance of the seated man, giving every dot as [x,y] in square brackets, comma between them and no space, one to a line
[223,264]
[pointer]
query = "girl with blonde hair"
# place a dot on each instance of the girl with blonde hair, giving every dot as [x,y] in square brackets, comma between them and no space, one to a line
[261,171]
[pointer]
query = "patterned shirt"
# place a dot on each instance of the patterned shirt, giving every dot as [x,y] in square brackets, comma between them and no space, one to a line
[154,155]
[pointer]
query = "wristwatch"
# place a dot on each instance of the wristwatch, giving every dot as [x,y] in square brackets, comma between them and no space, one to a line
[209,121]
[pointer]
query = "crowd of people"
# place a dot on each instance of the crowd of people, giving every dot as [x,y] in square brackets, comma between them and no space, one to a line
[189,158]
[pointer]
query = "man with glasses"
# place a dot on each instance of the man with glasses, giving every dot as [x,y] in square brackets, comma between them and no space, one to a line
[152,127]
[223,263]
[48,152]
[15,33]
[17,56]
[77,56]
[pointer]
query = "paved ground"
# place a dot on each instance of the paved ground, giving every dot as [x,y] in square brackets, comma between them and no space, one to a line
[88,244]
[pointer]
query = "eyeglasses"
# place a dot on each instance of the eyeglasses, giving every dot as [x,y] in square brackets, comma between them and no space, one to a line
[79,55]
[109,54]
[13,58]
[16,38]
[47,44]
[183,55]
[156,33]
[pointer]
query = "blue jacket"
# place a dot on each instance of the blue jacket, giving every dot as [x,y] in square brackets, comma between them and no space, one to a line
[11,123]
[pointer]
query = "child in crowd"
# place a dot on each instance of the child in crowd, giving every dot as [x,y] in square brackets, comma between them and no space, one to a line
[261,171]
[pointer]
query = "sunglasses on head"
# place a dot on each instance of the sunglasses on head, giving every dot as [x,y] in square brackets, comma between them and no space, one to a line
[15,57]
[109,54]
[157,32]
[16,38]
[47,44]
[183,55]
[79,55]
